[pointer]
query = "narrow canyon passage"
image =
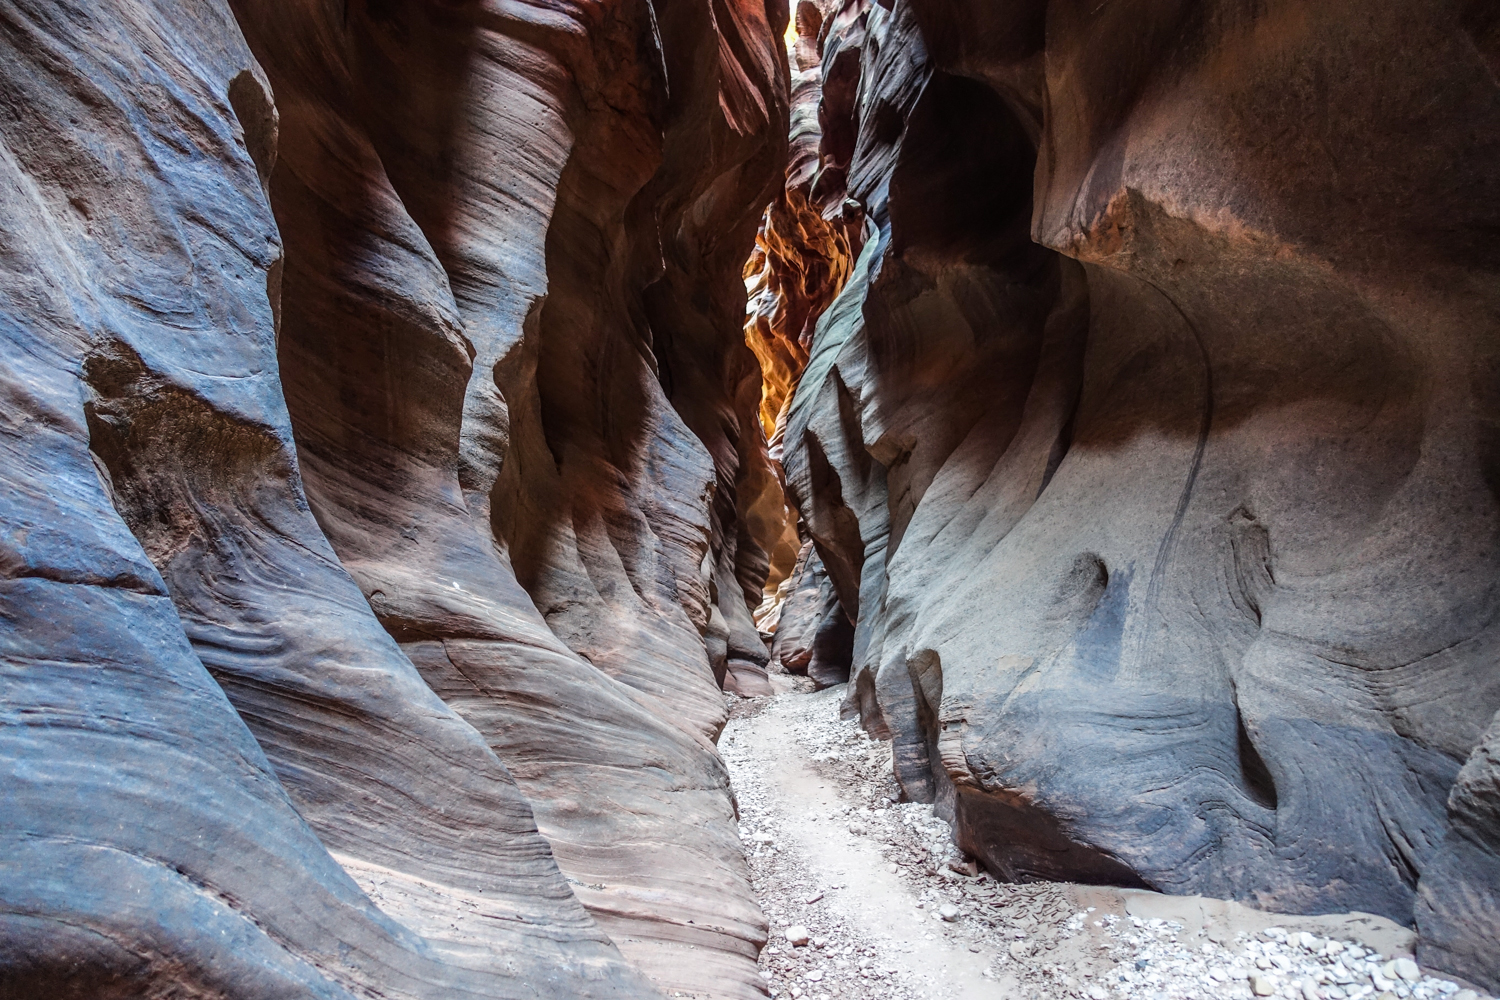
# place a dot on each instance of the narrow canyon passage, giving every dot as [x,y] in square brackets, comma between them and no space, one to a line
[829,499]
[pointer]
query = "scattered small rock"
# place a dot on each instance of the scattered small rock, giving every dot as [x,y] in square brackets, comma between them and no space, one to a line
[1037,937]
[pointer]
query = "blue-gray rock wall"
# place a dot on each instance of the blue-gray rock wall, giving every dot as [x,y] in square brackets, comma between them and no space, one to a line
[1151,443]
[356,552]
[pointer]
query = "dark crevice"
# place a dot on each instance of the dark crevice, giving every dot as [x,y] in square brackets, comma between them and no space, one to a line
[259,121]
[1059,451]
[1255,776]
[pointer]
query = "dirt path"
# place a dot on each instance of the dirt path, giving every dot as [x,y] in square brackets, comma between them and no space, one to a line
[891,913]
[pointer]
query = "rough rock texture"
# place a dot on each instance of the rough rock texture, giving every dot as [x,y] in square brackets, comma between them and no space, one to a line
[374,475]
[1152,442]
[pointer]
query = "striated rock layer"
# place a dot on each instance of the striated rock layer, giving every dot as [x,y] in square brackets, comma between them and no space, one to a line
[1151,443]
[390,466]
[378,451]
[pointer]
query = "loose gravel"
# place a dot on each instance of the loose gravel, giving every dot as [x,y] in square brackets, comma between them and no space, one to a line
[868,899]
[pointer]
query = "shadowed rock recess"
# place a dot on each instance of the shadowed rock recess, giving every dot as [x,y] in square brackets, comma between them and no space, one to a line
[390,467]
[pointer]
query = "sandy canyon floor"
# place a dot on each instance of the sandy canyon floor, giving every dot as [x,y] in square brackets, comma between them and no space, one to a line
[869,900]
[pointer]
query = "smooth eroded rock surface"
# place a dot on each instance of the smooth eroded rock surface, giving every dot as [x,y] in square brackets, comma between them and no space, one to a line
[1151,443]
[358,547]
[394,477]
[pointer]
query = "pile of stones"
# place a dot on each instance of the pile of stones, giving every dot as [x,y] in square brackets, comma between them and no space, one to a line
[1152,962]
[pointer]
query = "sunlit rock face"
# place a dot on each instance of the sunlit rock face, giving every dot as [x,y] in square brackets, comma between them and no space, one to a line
[803,254]
[379,445]
[802,251]
[1152,443]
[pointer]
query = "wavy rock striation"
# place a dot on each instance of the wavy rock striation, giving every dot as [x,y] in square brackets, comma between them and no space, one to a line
[1151,443]
[389,469]
[378,449]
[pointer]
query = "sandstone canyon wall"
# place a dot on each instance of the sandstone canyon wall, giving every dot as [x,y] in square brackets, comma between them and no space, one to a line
[1151,444]
[377,435]
[390,467]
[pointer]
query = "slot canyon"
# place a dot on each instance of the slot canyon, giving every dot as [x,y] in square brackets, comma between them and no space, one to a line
[495,493]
